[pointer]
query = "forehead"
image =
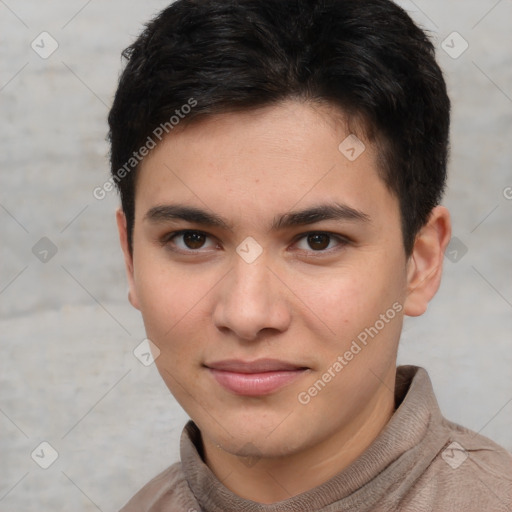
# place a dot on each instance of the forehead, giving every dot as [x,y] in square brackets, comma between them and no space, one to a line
[251,164]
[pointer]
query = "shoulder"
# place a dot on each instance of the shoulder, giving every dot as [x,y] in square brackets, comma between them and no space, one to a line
[470,473]
[169,488]
[481,453]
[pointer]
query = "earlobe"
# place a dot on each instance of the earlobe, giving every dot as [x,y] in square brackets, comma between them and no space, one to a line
[132,300]
[128,257]
[425,264]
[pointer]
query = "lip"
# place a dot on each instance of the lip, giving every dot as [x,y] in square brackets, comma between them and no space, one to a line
[254,378]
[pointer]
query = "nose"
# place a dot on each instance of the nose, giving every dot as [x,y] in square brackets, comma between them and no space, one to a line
[250,301]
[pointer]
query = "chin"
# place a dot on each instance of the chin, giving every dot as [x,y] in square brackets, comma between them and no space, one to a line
[255,437]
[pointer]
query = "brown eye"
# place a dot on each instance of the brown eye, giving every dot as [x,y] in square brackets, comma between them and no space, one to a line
[193,240]
[318,241]
[188,241]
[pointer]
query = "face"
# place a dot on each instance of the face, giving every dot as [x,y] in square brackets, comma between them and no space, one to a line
[270,272]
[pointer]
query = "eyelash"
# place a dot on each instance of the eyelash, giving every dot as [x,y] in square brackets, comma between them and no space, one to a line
[342,241]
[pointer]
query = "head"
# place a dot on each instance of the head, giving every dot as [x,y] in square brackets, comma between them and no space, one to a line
[283,163]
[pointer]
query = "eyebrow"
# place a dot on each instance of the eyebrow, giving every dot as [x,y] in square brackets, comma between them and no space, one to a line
[319,213]
[190,214]
[334,211]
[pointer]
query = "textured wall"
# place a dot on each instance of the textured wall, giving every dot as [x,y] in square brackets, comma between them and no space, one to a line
[67,372]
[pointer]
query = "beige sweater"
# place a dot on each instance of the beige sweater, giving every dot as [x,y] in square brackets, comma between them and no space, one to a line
[412,466]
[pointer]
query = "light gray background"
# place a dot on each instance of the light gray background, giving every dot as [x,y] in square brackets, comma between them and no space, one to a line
[67,372]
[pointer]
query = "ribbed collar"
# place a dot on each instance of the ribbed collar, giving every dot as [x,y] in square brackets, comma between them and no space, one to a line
[390,465]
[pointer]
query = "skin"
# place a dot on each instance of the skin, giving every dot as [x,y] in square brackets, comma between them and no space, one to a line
[300,302]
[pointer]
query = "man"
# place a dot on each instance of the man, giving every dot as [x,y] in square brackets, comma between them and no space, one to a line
[281,165]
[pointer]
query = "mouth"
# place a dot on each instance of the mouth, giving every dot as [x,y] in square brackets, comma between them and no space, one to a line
[254,378]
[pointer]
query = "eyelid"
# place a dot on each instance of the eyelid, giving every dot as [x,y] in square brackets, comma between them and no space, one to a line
[168,238]
[341,239]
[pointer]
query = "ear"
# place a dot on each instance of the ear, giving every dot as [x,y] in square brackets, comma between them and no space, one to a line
[128,257]
[425,265]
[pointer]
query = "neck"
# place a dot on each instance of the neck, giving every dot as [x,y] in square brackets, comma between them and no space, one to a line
[269,480]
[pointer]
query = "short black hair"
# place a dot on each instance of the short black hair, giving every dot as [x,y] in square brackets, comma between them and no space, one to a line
[200,58]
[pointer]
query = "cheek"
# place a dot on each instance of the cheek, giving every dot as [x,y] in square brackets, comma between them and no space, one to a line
[172,306]
[167,298]
[344,303]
